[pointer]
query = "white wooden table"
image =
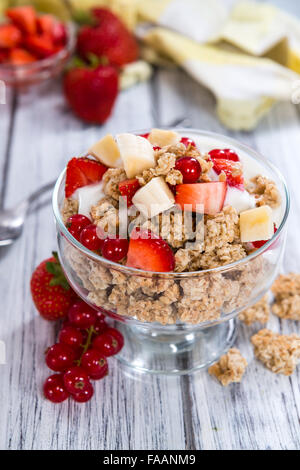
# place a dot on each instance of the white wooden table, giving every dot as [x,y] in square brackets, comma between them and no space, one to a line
[38,135]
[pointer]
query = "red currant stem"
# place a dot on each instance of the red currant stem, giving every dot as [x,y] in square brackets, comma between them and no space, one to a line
[87,344]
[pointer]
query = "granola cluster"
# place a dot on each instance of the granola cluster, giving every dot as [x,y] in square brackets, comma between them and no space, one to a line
[279,353]
[265,191]
[260,312]
[286,290]
[230,368]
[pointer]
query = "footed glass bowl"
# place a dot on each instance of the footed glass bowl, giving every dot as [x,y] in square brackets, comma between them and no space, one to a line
[175,323]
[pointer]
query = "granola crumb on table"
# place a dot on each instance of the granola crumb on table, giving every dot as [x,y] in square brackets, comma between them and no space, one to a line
[286,290]
[260,312]
[230,368]
[279,353]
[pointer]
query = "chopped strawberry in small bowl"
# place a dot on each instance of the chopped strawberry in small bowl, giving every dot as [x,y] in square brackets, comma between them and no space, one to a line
[33,46]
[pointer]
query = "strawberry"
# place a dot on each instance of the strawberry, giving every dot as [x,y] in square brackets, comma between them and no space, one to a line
[91,92]
[42,46]
[224,154]
[210,195]
[10,36]
[82,172]
[108,38]
[128,188]
[23,17]
[50,290]
[49,26]
[232,170]
[149,252]
[20,56]
[3,55]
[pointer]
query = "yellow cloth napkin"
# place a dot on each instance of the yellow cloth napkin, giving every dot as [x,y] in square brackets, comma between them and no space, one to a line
[241,51]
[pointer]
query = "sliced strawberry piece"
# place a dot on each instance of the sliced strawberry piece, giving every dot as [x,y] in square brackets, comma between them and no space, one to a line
[20,56]
[23,17]
[42,46]
[82,172]
[259,244]
[149,252]
[187,141]
[224,154]
[232,170]
[128,188]
[3,55]
[210,195]
[45,24]
[145,135]
[10,36]
[59,34]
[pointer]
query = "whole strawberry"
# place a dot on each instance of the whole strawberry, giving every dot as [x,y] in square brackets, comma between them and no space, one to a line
[50,290]
[109,38]
[91,92]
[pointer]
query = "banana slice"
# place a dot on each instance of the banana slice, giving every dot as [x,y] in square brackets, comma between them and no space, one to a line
[256,224]
[136,152]
[153,198]
[107,152]
[161,138]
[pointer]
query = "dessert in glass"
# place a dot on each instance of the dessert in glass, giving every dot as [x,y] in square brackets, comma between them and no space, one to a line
[171,233]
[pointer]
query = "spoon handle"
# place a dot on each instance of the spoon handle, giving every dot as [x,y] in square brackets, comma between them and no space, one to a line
[43,189]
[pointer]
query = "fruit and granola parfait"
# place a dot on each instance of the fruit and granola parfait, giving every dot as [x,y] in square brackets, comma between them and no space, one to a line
[161,210]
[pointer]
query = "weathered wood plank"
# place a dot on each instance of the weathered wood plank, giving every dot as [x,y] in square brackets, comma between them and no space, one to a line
[46,135]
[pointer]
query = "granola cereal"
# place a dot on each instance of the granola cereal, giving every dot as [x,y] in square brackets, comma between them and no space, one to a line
[286,290]
[265,191]
[260,312]
[230,368]
[70,207]
[279,353]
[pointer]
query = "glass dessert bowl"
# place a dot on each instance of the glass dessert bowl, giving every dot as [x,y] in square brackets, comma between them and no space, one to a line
[23,75]
[177,322]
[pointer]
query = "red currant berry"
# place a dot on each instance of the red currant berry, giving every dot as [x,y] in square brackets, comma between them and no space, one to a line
[54,389]
[95,364]
[224,154]
[100,326]
[76,380]
[145,135]
[60,357]
[117,335]
[187,141]
[90,239]
[76,223]
[190,169]
[81,315]
[71,336]
[106,344]
[84,395]
[115,249]
[156,148]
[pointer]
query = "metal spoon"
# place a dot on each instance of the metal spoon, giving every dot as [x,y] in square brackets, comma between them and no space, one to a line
[12,220]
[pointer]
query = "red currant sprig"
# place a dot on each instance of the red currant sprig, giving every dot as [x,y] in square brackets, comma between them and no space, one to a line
[85,342]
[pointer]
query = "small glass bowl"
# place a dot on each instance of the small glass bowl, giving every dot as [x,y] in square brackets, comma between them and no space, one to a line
[41,70]
[173,323]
